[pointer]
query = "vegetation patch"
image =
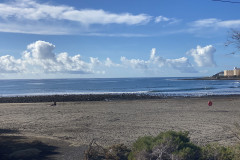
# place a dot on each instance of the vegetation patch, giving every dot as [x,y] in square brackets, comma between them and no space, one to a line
[168,145]
[115,152]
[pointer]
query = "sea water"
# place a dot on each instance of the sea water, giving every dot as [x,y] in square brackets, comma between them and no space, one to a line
[152,86]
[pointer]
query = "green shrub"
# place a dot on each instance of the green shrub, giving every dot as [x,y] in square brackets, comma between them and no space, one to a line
[167,145]
[141,147]
[236,152]
[217,152]
[117,152]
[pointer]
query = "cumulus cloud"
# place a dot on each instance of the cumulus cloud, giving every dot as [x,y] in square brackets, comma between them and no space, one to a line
[216,23]
[156,60]
[181,64]
[39,57]
[109,63]
[42,50]
[203,56]
[135,63]
[8,64]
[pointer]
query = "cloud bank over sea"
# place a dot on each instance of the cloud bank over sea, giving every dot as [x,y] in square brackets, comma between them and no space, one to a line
[39,57]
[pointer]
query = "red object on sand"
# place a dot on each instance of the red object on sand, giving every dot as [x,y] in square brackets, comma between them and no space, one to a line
[209,103]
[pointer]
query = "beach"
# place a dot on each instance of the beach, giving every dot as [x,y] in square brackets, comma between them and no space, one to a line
[71,126]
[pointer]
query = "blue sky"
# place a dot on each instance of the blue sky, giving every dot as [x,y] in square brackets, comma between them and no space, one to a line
[106,38]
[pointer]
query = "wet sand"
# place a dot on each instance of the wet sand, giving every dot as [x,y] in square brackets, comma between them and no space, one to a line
[72,125]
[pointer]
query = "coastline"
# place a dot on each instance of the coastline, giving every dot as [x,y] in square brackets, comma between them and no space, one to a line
[75,98]
[99,97]
[213,78]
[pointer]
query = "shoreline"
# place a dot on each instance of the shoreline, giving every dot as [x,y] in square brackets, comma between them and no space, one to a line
[98,97]
[213,78]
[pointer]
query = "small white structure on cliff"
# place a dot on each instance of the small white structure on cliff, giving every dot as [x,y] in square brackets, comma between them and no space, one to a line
[234,72]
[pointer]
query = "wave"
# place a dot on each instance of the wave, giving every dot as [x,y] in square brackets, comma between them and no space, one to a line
[185,89]
[71,93]
[126,94]
[36,83]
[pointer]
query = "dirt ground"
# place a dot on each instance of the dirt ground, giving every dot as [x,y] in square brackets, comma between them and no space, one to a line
[70,126]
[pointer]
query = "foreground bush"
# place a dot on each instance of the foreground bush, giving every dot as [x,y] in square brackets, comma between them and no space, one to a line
[215,151]
[167,145]
[115,152]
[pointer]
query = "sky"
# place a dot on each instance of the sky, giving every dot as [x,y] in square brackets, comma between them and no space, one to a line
[111,39]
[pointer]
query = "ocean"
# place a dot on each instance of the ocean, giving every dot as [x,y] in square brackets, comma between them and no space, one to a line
[151,86]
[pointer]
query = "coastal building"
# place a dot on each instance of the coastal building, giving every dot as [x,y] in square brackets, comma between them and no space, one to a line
[237,72]
[228,73]
[234,72]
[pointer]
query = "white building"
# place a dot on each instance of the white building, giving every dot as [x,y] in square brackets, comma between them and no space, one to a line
[234,72]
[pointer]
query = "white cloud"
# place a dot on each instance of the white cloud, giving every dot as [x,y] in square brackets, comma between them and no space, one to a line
[160,19]
[156,60]
[88,16]
[135,63]
[216,23]
[71,64]
[203,56]
[42,50]
[8,64]
[39,58]
[116,35]
[230,24]
[36,28]
[29,16]
[205,22]
[181,64]
[31,10]
[109,63]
